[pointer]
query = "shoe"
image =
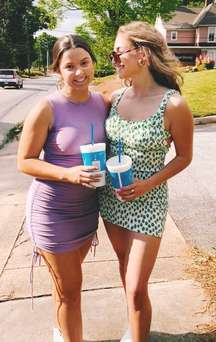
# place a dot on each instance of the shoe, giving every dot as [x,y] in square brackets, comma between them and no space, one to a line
[57,336]
[127,336]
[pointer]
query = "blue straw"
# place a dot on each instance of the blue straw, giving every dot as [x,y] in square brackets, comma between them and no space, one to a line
[119,150]
[92,133]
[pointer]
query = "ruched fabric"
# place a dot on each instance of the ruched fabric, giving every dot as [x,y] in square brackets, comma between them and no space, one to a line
[62,216]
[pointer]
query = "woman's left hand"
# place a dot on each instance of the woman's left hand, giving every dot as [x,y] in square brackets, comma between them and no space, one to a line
[135,190]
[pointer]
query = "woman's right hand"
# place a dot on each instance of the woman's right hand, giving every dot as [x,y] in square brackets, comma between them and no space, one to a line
[83,175]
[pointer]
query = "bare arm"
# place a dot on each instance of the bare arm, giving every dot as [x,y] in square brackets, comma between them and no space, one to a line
[35,131]
[180,124]
[181,128]
[107,102]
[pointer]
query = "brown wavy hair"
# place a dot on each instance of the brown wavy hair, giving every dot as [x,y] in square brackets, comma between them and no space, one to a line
[67,42]
[163,64]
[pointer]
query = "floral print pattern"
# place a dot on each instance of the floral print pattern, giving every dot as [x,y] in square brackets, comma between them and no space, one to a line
[145,141]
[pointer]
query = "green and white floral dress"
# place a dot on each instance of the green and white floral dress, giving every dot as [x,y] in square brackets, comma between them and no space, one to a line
[145,141]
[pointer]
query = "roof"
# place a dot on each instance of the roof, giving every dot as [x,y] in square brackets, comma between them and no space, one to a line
[186,18]
[208,17]
[183,17]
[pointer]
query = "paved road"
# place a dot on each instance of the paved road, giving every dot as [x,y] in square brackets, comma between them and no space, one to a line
[16,103]
[193,192]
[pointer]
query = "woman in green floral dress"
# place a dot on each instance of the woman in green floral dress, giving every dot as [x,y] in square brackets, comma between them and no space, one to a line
[147,116]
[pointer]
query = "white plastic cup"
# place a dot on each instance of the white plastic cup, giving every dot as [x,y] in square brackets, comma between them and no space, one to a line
[120,174]
[95,155]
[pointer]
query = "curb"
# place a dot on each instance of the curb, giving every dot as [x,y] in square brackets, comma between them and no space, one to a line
[205,120]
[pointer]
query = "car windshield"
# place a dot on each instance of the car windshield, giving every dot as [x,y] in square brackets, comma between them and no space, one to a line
[7,73]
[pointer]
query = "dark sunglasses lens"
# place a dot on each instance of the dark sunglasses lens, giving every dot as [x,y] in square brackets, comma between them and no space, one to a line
[115,57]
[111,57]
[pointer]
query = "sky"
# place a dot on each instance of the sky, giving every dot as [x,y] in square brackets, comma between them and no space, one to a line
[67,25]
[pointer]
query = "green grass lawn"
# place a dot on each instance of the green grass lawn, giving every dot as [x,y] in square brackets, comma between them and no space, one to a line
[199,89]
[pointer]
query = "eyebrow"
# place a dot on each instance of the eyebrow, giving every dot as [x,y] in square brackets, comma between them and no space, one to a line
[82,59]
[85,58]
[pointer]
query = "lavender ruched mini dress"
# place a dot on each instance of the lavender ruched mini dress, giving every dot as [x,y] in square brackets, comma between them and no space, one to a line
[62,216]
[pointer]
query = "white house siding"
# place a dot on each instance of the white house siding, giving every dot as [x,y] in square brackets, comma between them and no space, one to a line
[211,53]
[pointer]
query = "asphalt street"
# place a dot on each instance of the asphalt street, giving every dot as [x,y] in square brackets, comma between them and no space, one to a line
[193,192]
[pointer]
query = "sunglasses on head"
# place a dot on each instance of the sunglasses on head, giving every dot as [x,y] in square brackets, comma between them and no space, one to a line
[115,56]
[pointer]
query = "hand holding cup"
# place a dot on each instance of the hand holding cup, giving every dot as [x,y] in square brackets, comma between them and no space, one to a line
[120,173]
[94,155]
[83,175]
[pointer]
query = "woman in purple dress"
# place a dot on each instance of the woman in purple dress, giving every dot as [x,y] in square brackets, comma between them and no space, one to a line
[62,208]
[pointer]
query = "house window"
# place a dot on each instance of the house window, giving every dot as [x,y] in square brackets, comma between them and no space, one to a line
[174,35]
[212,34]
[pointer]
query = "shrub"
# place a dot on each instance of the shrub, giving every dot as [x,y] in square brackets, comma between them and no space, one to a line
[210,64]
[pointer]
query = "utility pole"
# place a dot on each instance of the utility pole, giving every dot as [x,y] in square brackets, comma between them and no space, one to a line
[47,59]
[27,45]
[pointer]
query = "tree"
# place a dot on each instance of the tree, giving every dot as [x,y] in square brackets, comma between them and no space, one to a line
[103,17]
[19,20]
[43,49]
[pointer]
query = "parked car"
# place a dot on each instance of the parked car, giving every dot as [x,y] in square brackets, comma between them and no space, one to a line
[10,77]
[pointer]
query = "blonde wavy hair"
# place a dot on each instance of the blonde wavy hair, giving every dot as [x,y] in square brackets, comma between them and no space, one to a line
[162,63]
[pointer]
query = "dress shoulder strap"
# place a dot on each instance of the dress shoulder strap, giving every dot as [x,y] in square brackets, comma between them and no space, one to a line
[165,100]
[115,102]
[119,97]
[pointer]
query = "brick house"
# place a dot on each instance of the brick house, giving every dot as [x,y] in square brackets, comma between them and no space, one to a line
[192,32]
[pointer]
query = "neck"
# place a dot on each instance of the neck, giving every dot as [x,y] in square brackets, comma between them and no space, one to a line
[144,85]
[75,95]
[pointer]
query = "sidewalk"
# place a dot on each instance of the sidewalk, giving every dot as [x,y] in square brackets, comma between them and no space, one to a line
[176,299]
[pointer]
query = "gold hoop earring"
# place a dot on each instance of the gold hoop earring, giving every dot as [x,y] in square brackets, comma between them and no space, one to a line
[128,83]
[141,62]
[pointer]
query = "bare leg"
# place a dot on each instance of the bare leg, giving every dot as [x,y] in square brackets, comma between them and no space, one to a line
[66,273]
[142,256]
[137,254]
[119,238]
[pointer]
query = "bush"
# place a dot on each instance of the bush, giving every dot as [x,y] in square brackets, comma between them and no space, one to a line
[210,65]
[33,73]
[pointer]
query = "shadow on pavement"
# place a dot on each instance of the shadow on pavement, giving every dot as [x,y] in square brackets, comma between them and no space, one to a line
[189,337]
[162,337]
[52,83]
[25,88]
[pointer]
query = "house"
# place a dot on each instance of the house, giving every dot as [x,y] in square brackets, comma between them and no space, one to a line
[191,33]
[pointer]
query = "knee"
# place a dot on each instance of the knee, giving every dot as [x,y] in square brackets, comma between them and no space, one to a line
[136,295]
[69,295]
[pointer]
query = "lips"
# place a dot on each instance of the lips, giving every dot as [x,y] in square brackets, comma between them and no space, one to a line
[120,67]
[80,80]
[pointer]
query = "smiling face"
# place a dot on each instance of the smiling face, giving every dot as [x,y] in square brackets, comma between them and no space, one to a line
[76,68]
[127,66]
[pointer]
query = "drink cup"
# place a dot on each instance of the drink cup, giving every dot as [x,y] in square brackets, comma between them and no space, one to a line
[95,155]
[120,174]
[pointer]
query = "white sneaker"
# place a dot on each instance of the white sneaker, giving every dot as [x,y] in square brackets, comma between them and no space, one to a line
[57,336]
[127,336]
